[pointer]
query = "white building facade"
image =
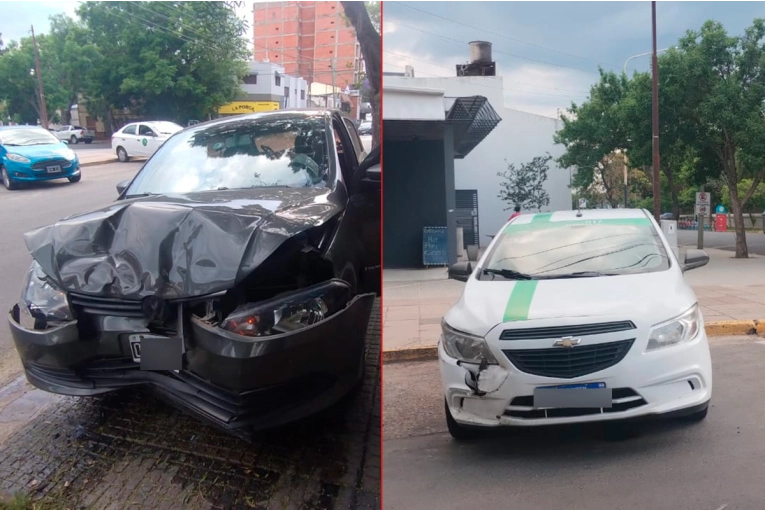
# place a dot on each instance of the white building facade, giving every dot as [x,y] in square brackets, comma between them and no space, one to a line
[517,139]
[266,81]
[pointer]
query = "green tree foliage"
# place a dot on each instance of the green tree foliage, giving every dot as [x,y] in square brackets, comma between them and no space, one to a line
[166,60]
[524,185]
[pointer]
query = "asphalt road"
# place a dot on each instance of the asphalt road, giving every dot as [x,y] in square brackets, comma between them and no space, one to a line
[713,465]
[82,146]
[35,206]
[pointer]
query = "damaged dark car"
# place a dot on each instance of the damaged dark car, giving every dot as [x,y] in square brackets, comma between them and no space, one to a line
[235,275]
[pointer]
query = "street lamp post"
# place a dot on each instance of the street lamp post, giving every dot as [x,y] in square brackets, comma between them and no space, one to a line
[643,55]
[655,119]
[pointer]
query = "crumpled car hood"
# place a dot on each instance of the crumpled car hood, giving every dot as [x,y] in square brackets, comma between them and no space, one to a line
[176,246]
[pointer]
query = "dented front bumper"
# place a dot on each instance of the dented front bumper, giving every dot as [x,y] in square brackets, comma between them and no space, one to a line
[237,383]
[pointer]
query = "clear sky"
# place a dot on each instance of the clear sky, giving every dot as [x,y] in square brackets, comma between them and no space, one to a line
[548,52]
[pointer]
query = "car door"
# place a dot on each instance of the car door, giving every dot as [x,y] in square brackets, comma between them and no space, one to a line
[62,133]
[363,211]
[126,138]
[147,140]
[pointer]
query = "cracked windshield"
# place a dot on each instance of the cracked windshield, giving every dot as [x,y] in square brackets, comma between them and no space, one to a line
[573,255]
[192,274]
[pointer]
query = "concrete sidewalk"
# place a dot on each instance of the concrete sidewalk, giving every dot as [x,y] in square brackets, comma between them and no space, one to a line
[414,301]
[92,157]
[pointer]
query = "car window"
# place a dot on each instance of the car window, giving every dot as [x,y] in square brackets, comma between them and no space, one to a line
[78,127]
[355,140]
[552,248]
[129,130]
[145,130]
[275,151]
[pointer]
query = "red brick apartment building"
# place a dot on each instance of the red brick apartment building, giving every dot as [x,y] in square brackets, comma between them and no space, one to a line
[306,37]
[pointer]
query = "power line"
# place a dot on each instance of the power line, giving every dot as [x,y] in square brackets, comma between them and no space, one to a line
[463,43]
[582,94]
[499,34]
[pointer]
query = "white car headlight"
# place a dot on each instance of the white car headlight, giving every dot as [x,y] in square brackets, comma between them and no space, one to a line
[70,155]
[44,301]
[676,331]
[18,158]
[464,347]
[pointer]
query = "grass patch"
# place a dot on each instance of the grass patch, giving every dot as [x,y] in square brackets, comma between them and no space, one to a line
[25,502]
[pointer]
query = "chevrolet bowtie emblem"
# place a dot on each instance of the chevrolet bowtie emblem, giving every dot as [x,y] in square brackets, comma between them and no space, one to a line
[567,342]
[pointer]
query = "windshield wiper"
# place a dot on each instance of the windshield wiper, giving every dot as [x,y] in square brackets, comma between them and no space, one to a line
[578,274]
[138,195]
[509,274]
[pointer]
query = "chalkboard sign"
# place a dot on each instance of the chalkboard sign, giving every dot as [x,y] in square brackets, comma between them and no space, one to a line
[434,246]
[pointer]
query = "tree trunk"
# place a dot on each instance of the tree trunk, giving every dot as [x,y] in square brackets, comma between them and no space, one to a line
[369,40]
[742,252]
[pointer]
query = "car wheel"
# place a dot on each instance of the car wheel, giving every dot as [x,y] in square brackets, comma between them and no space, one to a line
[458,432]
[73,140]
[88,141]
[697,416]
[122,155]
[7,182]
[75,178]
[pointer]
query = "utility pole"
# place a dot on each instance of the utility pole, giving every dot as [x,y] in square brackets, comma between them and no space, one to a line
[655,121]
[334,101]
[43,107]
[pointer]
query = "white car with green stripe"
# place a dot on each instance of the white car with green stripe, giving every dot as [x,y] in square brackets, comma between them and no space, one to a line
[575,317]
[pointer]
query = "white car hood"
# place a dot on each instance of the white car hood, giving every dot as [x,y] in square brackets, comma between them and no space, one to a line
[643,298]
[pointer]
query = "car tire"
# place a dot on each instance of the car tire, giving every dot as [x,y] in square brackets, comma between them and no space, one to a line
[7,181]
[73,140]
[122,155]
[697,417]
[459,432]
[75,178]
[88,141]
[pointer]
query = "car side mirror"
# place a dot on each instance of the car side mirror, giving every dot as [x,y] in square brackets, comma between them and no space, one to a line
[460,271]
[374,173]
[121,187]
[695,259]
[65,142]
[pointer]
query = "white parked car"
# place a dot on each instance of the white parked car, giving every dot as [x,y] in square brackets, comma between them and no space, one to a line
[74,134]
[575,317]
[142,139]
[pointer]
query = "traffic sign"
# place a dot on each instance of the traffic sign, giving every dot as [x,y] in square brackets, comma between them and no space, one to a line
[703,198]
[720,209]
[702,210]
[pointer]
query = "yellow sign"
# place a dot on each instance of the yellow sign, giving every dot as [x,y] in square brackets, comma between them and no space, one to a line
[248,107]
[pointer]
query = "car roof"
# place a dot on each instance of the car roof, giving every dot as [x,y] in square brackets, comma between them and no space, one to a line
[298,112]
[5,128]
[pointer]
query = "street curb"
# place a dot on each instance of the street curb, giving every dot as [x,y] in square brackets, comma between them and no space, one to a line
[96,163]
[720,328]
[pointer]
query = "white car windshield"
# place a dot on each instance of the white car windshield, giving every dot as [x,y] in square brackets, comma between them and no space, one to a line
[278,150]
[550,249]
[25,137]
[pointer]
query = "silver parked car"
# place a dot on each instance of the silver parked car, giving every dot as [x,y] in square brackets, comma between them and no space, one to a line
[74,134]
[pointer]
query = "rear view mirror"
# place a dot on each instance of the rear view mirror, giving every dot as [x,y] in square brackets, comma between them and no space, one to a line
[460,271]
[122,186]
[695,259]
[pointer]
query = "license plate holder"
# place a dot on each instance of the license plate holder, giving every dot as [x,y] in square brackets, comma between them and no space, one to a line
[156,352]
[53,169]
[579,396]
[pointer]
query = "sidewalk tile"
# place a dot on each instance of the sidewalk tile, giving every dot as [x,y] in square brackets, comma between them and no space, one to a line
[399,313]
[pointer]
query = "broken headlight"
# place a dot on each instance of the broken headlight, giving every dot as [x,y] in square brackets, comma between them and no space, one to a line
[43,300]
[289,312]
[464,347]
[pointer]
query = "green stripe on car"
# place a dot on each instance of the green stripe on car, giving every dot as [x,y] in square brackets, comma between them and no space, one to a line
[518,305]
[544,223]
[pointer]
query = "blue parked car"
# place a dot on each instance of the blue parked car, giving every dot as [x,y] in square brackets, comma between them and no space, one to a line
[32,154]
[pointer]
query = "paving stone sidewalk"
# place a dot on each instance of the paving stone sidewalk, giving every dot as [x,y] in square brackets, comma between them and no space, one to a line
[415,300]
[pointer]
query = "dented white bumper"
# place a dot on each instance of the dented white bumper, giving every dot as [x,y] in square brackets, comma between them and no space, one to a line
[677,379]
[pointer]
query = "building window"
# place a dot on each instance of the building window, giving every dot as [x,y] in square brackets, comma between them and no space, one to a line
[251,79]
[278,80]
[302,94]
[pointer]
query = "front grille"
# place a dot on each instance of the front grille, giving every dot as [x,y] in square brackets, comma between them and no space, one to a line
[106,306]
[42,165]
[561,331]
[567,363]
[623,399]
